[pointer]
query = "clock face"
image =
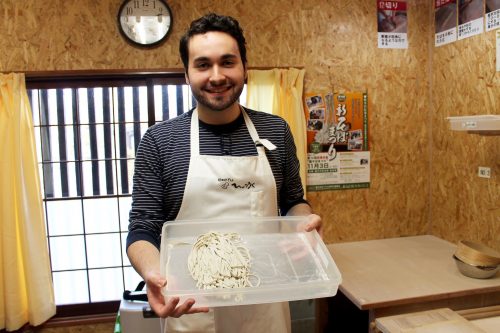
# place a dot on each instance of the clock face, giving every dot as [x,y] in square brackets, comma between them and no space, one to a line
[144,22]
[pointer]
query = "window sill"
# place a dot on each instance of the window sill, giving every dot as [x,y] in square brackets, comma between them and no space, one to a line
[67,322]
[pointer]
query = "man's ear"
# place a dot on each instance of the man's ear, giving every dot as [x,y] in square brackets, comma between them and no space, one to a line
[186,77]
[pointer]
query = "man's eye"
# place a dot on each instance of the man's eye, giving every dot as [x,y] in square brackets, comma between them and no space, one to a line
[202,65]
[228,63]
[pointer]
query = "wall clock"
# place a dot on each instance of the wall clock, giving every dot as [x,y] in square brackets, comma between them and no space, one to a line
[144,23]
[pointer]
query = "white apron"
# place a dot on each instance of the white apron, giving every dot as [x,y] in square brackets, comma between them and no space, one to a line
[230,186]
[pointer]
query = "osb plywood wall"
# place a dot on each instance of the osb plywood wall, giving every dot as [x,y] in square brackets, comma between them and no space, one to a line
[335,41]
[464,82]
[344,55]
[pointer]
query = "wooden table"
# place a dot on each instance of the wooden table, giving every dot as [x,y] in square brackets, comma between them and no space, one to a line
[480,320]
[408,274]
[438,320]
[488,325]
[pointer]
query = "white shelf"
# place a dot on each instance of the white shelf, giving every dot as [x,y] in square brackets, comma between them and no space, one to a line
[482,124]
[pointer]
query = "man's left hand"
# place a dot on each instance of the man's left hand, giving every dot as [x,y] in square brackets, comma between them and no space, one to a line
[314,222]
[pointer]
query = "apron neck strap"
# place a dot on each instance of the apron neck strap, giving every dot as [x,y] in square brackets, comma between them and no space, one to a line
[195,131]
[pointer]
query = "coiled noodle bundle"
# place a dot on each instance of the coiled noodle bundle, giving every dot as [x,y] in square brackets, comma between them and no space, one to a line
[220,260]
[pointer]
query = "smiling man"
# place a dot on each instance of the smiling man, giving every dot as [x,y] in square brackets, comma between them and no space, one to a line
[198,166]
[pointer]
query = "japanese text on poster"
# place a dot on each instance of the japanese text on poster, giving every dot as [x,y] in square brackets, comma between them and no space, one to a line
[337,141]
[492,14]
[470,18]
[445,17]
[392,24]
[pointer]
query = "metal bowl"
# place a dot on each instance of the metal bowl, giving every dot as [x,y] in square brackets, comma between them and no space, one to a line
[477,272]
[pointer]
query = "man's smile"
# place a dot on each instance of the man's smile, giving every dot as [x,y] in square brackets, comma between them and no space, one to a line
[218,90]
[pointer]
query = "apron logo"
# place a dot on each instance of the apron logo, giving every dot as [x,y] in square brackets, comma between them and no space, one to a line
[247,186]
[225,183]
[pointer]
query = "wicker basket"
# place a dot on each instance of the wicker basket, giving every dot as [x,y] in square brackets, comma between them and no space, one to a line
[477,254]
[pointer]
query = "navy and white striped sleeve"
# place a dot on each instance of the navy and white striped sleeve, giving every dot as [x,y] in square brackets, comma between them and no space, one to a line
[147,214]
[292,192]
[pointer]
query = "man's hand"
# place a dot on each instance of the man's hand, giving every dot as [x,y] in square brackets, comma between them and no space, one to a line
[154,283]
[145,258]
[298,250]
[314,222]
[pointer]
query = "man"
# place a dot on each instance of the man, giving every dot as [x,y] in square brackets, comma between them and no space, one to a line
[182,163]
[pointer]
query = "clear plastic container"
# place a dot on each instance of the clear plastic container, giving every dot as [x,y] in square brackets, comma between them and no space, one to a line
[291,264]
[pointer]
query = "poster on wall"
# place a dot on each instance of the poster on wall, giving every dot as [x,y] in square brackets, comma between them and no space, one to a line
[492,14]
[392,24]
[337,140]
[445,21]
[470,18]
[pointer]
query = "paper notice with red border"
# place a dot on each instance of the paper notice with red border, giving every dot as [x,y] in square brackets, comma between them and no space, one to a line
[392,24]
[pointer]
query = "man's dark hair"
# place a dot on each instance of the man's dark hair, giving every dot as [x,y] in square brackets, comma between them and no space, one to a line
[213,22]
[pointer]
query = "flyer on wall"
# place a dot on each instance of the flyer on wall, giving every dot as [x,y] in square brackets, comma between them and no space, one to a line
[392,24]
[445,18]
[492,14]
[337,140]
[470,18]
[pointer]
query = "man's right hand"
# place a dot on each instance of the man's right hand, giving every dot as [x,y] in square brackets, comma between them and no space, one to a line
[171,308]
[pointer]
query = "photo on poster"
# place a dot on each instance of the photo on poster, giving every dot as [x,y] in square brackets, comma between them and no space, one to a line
[446,16]
[492,5]
[355,145]
[470,10]
[356,134]
[470,18]
[314,101]
[492,14]
[392,21]
[317,113]
[314,125]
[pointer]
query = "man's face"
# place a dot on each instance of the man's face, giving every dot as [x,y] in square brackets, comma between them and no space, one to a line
[215,72]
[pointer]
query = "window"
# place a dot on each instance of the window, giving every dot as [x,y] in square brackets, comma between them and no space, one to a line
[87,130]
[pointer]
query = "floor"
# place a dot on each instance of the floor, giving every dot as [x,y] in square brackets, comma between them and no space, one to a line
[94,328]
[302,313]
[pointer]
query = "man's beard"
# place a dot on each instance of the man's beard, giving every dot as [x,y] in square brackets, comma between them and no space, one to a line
[217,104]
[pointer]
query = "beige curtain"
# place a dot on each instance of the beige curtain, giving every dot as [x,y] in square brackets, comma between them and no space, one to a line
[279,91]
[26,291]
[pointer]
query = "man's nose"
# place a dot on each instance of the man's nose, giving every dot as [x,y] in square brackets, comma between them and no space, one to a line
[217,76]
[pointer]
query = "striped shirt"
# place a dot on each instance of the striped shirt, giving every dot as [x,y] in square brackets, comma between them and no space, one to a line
[162,164]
